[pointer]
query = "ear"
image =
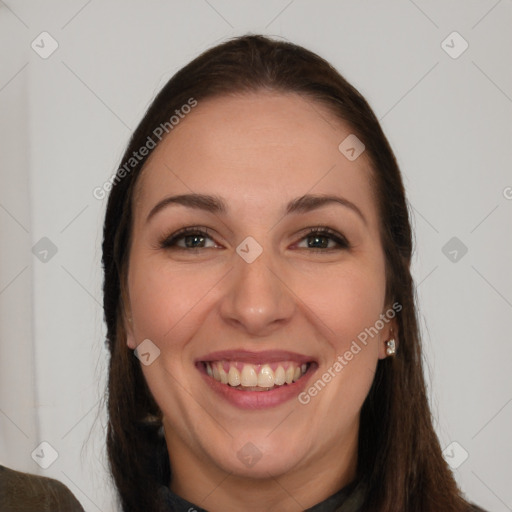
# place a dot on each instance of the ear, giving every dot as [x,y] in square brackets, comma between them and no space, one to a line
[390,332]
[126,309]
[128,327]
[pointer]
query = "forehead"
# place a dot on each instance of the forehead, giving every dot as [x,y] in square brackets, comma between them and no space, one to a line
[256,149]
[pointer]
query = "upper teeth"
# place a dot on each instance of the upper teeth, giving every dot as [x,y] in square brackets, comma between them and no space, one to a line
[259,375]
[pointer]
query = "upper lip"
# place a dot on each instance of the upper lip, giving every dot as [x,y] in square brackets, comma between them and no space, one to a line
[246,356]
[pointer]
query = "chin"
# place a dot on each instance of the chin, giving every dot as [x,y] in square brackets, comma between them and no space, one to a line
[260,458]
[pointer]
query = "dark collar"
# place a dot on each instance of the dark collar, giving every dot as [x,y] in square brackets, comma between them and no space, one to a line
[348,499]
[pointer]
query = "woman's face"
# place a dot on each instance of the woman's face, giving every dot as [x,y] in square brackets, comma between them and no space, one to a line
[250,296]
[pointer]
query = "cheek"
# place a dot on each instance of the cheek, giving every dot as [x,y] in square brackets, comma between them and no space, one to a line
[347,307]
[165,300]
[346,302]
[352,303]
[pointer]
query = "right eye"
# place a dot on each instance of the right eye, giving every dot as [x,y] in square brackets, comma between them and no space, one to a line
[191,238]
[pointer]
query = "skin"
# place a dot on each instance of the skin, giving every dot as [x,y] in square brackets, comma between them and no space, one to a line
[257,151]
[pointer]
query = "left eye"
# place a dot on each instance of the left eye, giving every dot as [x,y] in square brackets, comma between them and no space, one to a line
[324,239]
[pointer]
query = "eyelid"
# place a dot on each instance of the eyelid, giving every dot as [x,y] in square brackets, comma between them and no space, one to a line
[168,241]
[337,237]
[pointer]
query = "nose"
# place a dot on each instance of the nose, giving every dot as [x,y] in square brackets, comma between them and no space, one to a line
[257,298]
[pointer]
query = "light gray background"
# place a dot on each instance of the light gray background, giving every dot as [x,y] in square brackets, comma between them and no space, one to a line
[65,121]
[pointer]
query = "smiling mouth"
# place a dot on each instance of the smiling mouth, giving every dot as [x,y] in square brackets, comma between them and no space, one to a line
[255,377]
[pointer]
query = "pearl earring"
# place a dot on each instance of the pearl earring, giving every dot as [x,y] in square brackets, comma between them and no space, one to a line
[391,347]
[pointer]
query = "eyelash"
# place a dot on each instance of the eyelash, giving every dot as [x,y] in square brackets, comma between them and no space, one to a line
[169,242]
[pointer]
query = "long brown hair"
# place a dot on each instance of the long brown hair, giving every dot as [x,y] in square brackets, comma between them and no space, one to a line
[399,455]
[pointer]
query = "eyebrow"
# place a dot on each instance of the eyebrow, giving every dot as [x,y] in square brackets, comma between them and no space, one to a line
[217,205]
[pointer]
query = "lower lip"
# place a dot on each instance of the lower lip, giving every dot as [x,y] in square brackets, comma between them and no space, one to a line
[258,399]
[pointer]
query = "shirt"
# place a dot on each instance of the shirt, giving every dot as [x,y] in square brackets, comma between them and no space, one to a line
[348,499]
[23,492]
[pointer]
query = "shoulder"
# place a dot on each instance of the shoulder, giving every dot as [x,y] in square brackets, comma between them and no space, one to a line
[23,492]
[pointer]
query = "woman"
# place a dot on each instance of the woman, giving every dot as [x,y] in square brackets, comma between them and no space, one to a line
[264,346]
